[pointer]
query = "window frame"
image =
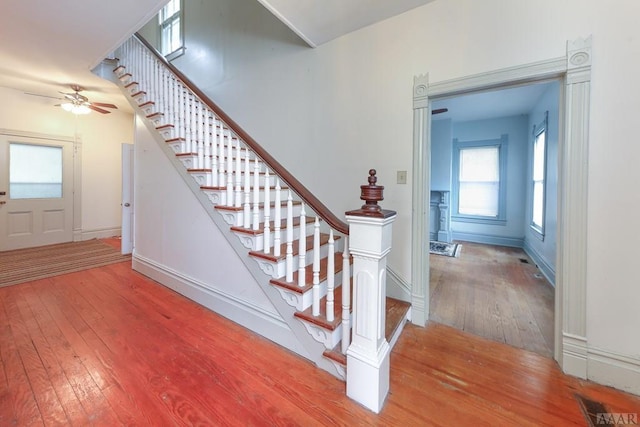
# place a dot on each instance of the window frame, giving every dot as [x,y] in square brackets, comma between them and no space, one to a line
[501,218]
[542,127]
[168,21]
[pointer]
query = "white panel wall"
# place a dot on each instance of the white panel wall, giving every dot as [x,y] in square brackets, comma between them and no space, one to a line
[101,137]
[346,106]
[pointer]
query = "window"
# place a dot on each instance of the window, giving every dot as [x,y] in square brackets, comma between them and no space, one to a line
[479,169]
[538,175]
[170,21]
[35,171]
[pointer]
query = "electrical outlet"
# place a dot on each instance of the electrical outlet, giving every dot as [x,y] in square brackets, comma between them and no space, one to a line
[402,177]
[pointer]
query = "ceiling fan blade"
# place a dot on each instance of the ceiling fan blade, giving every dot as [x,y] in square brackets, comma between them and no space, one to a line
[439,110]
[102,104]
[98,109]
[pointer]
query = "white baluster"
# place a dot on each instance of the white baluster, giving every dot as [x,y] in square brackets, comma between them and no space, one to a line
[277,220]
[346,297]
[331,272]
[302,250]
[220,146]
[206,135]
[214,150]
[199,136]
[193,128]
[229,142]
[267,212]
[256,195]
[182,126]
[316,269]
[238,200]
[247,190]
[289,256]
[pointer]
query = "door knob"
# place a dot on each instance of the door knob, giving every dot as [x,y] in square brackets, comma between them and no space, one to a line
[126,205]
[2,202]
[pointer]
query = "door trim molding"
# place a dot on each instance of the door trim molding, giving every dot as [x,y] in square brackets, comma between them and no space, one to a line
[574,70]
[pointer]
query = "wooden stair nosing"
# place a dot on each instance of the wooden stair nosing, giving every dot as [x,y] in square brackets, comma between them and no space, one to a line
[324,239]
[260,230]
[321,319]
[241,208]
[293,286]
[128,85]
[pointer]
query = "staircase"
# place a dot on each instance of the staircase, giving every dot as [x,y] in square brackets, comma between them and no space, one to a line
[302,248]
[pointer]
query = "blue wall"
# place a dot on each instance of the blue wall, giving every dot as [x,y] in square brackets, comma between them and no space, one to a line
[543,252]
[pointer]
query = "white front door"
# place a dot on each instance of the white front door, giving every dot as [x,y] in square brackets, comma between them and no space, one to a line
[36,191]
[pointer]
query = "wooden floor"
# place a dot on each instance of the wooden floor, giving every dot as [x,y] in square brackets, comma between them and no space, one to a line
[488,291]
[109,347]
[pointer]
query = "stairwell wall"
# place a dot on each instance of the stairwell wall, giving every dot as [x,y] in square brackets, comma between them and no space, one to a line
[331,113]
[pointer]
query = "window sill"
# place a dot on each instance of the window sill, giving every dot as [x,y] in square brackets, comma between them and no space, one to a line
[537,233]
[175,54]
[479,220]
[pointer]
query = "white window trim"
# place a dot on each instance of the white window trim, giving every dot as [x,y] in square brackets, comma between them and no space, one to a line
[501,218]
[178,15]
[539,230]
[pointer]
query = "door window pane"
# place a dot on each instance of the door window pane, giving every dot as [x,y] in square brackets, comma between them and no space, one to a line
[35,171]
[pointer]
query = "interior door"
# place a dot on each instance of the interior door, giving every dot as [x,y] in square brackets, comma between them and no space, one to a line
[127,199]
[36,191]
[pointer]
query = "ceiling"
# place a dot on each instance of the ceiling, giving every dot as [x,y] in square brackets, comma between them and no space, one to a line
[49,45]
[319,21]
[491,104]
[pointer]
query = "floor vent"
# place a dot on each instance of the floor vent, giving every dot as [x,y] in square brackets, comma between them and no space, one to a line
[593,411]
[524,260]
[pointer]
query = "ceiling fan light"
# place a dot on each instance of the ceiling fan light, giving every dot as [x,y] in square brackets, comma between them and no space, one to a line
[75,108]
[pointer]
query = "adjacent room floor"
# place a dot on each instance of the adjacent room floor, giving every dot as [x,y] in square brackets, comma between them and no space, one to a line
[494,292]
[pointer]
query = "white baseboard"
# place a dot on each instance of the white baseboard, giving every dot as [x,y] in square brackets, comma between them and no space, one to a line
[515,242]
[615,370]
[252,317]
[100,233]
[397,287]
[574,355]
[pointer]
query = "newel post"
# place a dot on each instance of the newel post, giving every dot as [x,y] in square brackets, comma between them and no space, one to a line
[369,244]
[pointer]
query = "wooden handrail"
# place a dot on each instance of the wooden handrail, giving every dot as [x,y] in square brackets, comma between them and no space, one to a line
[312,201]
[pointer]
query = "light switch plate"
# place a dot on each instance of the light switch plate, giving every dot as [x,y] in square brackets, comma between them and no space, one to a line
[402,177]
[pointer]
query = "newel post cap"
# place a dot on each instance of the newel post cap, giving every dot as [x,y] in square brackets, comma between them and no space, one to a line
[371,194]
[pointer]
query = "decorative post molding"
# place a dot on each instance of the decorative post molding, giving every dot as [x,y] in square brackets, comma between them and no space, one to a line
[573,249]
[369,243]
[444,234]
[421,199]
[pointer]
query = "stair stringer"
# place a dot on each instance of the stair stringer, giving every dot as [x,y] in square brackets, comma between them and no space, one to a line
[310,348]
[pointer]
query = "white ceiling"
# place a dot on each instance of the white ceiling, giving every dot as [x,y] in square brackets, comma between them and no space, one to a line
[48,45]
[319,21]
[491,104]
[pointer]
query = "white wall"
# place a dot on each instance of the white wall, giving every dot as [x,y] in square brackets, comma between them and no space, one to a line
[101,137]
[347,106]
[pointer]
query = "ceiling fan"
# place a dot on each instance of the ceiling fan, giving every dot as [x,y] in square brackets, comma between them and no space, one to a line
[79,104]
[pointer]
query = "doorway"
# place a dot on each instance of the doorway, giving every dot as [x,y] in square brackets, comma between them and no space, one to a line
[488,195]
[36,190]
[574,71]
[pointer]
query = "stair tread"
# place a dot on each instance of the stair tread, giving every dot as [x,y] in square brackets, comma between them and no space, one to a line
[260,230]
[128,85]
[241,208]
[396,311]
[321,319]
[324,239]
[293,286]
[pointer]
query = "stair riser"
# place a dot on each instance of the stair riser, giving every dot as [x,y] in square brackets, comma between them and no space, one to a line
[191,160]
[329,338]
[205,178]
[279,269]
[302,301]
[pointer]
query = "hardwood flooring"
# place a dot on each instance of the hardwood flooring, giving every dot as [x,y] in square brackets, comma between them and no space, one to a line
[488,291]
[109,347]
